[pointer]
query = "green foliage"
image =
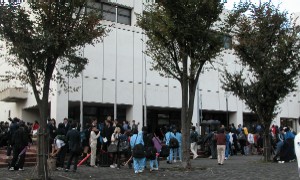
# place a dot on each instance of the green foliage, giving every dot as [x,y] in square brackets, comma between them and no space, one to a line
[44,38]
[182,36]
[178,29]
[267,45]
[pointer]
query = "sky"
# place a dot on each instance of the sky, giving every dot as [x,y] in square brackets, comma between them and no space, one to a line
[292,6]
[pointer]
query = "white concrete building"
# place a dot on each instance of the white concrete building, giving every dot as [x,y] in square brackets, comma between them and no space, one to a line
[118,71]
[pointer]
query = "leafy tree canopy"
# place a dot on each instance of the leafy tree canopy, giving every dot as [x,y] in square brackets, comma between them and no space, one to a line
[267,45]
[178,29]
[44,36]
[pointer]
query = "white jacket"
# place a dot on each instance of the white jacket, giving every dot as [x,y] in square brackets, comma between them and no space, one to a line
[93,138]
[250,138]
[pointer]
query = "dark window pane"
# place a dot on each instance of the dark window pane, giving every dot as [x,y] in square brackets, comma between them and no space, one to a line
[123,11]
[124,20]
[109,16]
[109,8]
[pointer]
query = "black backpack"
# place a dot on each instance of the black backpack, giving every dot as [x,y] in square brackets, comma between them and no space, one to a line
[165,151]
[138,151]
[151,153]
[174,143]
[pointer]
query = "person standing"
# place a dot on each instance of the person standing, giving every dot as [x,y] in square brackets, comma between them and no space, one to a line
[193,139]
[106,134]
[116,155]
[135,126]
[228,145]
[177,151]
[221,145]
[250,138]
[73,138]
[95,133]
[20,142]
[67,125]
[242,140]
[138,163]
[168,137]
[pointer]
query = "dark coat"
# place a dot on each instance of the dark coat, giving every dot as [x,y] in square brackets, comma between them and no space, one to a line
[107,132]
[20,138]
[67,127]
[73,139]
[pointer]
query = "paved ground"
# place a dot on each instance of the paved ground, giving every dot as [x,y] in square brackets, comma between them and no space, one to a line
[237,167]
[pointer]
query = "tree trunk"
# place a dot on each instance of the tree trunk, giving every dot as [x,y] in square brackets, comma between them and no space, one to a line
[185,122]
[267,144]
[43,141]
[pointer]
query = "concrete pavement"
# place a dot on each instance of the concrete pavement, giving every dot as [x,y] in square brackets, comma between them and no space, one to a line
[236,167]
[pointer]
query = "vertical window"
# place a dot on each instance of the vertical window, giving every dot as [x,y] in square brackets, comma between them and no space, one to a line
[109,12]
[124,16]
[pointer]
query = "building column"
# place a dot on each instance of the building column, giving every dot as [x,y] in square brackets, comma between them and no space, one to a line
[237,118]
[135,113]
[59,105]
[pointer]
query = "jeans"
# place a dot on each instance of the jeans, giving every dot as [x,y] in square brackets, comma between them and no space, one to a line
[170,157]
[177,152]
[228,148]
[279,146]
[153,162]
[138,164]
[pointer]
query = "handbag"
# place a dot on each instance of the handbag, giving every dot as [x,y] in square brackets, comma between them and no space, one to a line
[165,150]
[112,148]
[51,162]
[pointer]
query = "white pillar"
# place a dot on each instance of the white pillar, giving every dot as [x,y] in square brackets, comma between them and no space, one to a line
[59,105]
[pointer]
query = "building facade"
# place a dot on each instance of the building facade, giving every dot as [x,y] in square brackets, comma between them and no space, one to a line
[120,75]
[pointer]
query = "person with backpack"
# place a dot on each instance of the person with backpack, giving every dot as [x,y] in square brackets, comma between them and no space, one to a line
[137,146]
[177,151]
[151,152]
[194,138]
[171,142]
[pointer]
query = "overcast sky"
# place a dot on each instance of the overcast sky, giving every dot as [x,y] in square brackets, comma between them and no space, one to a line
[289,5]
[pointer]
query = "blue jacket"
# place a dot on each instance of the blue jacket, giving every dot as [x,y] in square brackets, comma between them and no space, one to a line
[168,136]
[227,137]
[178,136]
[289,135]
[136,139]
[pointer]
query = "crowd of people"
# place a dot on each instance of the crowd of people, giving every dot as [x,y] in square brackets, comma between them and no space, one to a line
[109,143]
[16,136]
[224,142]
[115,144]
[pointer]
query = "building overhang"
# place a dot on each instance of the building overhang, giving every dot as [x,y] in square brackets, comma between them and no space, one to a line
[13,94]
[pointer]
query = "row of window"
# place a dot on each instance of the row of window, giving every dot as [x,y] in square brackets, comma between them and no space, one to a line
[124,17]
[109,13]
